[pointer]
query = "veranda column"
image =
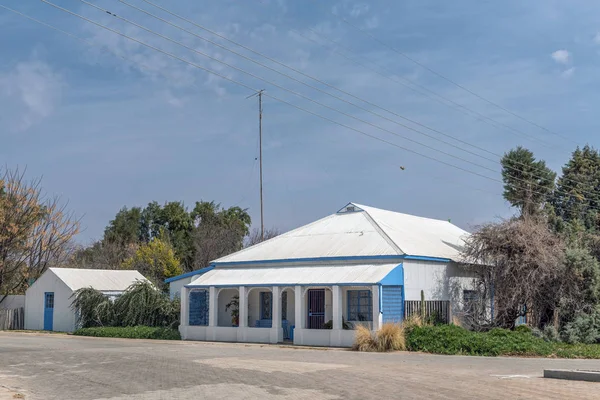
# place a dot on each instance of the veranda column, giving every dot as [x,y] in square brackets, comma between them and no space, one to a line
[300,307]
[243,307]
[213,307]
[377,317]
[337,307]
[276,317]
[185,312]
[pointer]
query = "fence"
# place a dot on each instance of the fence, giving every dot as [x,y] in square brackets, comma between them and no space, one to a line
[12,319]
[438,310]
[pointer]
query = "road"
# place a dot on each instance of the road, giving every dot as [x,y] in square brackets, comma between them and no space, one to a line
[47,366]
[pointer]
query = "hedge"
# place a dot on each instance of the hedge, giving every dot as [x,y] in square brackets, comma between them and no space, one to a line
[131,332]
[451,339]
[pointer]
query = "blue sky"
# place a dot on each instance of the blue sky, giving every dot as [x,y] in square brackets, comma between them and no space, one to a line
[105,133]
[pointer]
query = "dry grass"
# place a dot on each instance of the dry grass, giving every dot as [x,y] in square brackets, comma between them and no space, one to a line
[457,321]
[364,340]
[390,337]
[414,320]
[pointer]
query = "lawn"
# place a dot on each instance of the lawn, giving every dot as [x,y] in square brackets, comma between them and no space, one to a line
[130,332]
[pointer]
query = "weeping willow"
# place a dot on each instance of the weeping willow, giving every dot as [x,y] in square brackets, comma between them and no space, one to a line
[140,304]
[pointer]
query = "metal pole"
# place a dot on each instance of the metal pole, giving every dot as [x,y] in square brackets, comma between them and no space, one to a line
[262,221]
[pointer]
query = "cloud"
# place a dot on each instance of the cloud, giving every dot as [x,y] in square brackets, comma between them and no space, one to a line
[562,57]
[568,73]
[29,93]
[597,38]
[359,9]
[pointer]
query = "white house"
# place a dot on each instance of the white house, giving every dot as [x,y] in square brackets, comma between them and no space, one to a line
[48,300]
[358,266]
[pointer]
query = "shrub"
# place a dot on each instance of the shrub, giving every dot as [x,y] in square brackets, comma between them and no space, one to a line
[131,332]
[523,329]
[584,328]
[390,337]
[551,334]
[364,340]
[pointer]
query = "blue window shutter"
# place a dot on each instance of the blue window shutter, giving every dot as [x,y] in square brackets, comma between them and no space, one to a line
[199,300]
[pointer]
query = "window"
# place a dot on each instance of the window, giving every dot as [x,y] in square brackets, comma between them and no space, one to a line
[360,305]
[49,300]
[199,307]
[266,305]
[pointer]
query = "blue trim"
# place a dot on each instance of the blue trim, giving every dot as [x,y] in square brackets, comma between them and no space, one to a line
[425,258]
[267,285]
[341,258]
[394,277]
[356,209]
[188,274]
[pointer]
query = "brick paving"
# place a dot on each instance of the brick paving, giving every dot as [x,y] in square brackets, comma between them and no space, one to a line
[44,366]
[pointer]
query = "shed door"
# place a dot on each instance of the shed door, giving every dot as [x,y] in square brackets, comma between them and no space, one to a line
[316,308]
[48,311]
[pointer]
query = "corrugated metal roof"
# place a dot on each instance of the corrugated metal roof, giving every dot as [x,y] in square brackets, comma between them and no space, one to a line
[100,279]
[367,231]
[330,275]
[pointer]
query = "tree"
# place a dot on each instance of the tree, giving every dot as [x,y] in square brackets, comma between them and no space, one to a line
[255,237]
[125,228]
[522,262]
[577,196]
[35,231]
[527,183]
[102,255]
[155,260]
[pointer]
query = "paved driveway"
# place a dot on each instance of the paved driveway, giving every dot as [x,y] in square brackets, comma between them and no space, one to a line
[66,367]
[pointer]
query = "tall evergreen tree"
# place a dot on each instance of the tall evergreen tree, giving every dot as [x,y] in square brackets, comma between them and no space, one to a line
[527,183]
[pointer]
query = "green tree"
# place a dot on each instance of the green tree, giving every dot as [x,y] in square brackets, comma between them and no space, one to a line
[577,197]
[155,260]
[527,183]
[125,228]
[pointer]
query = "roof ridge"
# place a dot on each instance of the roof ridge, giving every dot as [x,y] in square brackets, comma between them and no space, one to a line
[380,230]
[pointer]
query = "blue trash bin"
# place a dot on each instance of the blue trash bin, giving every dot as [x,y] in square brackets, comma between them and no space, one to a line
[292,333]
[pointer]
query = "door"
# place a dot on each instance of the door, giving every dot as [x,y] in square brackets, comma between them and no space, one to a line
[48,311]
[316,308]
[392,304]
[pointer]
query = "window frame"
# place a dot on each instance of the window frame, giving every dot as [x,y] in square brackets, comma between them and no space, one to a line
[361,309]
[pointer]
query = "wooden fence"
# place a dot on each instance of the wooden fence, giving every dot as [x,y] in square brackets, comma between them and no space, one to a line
[437,310]
[12,319]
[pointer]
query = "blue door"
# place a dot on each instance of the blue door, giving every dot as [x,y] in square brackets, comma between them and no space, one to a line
[48,311]
[392,304]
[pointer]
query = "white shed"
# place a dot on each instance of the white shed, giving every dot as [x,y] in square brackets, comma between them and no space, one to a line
[48,300]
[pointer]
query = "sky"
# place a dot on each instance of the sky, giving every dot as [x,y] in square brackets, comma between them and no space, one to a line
[108,122]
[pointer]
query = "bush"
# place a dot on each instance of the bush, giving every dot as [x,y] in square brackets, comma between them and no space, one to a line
[389,337]
[450,339]
[584,328]
[141,304]
[523,329]
[131,332]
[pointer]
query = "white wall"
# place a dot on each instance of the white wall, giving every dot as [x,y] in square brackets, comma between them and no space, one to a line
[175,286]
[291,308]
[439,281]
[225,296]
[64,317]
[13,301]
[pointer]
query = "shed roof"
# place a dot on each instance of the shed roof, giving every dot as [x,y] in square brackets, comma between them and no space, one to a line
[312,275]
[356,231]
[100,279]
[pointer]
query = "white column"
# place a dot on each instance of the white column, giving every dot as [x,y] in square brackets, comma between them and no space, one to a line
[337,307]
[185,306]
[276,330]
[300,308]
[213,307]
[243,307]
[377,317]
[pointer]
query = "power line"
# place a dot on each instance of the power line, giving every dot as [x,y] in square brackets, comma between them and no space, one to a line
[142,65]
[455,105]
[294,92]
[268,95]
[458,85]
[274,97]
[310,77]
[319,81]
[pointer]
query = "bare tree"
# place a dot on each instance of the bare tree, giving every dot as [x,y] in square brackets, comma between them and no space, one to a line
[102,255]
[214,241]
[34,231]
[255,237]
[520,263]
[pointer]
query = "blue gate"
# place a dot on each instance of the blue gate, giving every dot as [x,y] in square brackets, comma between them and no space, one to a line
[392,306]
[48,311]
[198,312]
